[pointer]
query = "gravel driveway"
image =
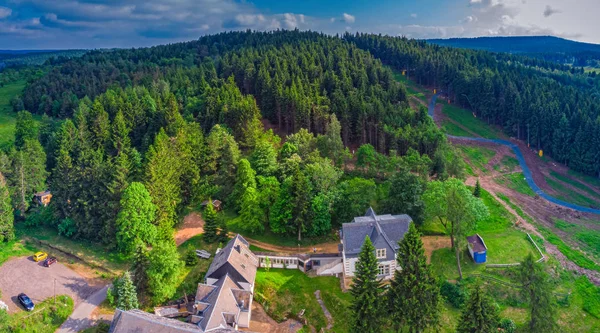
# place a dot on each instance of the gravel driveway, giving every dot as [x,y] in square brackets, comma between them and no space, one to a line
[23,275]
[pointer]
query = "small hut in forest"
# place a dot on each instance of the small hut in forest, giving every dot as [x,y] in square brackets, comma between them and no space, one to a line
[217,204]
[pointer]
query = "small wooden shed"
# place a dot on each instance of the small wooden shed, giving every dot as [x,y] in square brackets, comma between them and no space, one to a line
[477,249]
[43,198]
[217,204]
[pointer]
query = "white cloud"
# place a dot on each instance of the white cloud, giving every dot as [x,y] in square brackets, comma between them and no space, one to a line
[332,19]
[5,12]
[348,18]
[472,2]
[413,15]
[549,11]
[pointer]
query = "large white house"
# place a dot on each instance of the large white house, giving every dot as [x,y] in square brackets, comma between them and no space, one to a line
[385,231]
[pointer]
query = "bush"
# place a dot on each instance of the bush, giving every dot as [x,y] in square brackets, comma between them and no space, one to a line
[453,293]
[191,258]
[67,227]
[508,325]
[110,296]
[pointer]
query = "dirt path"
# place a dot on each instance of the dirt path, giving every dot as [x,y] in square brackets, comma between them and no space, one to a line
[262,323]
[325,311]
[193,225]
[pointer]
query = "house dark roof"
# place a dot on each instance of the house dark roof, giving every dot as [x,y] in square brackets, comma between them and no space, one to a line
[476,243]
[238,256]
[385,231]
[137,321]
[226,297]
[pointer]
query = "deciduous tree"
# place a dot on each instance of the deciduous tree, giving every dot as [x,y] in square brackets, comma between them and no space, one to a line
[135,219]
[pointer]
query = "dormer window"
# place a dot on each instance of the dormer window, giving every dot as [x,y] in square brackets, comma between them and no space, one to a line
[381,254]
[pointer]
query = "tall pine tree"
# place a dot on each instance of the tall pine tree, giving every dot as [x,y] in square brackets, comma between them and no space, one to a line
[126,294]
[537,291]
[413,296]
[366,290]
[7,230]
[480,314]
[210,222]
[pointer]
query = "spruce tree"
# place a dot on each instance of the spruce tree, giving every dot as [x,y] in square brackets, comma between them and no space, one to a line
[245,179]
[413,296]
[210,223]
[7,230]
[480,314]
[126,294]
[251,213]
[28,174]
[139,268]
[223,234]
[537,291]
[366,290]
[477,190]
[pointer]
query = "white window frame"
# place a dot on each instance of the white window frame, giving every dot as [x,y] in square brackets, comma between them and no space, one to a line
[383,269]
[381,254]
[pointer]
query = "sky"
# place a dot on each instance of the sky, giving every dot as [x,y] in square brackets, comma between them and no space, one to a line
[67,24]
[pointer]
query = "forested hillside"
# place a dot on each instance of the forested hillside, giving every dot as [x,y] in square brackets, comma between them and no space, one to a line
[555,110]
[182,123]
[550,48]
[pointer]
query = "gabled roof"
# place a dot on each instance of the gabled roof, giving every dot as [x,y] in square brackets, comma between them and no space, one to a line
[222,305]
[137,321]
[385,231]
[237,254]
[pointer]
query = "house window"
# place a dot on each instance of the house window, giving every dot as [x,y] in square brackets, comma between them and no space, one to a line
[384,269]
[380,253]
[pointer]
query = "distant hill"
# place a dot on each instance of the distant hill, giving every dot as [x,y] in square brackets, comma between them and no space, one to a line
[34,57]
[546,47]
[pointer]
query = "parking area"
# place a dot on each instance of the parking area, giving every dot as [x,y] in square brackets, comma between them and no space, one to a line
[23,275]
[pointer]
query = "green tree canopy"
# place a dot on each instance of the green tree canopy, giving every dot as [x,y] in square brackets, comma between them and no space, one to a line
[135,219]
[366,290]
[480,314]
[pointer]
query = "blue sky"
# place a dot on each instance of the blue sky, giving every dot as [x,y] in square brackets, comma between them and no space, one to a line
[59,24]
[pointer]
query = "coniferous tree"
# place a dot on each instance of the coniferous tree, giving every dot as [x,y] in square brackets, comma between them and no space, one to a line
[477,190]
[480,314]
[141,262]
[250,212]
[413,296]
[7,231]
[28,174]
[537,291]
[366,290]
[245,179]
[223,234]
[210,223]
[126,293]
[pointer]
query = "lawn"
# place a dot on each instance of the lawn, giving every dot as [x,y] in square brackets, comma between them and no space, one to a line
[478,156]
[411,87]
[515,181]
[93,254]
[594,181]
[192,275]
[47,316]
[15,248]
[284,293]
[473,124]
[234,224]
[7,116]
[506,244]
[569,195]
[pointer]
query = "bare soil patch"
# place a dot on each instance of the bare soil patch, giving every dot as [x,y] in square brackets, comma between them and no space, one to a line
[432,243]
[23,275]
[262,323]
[193,225]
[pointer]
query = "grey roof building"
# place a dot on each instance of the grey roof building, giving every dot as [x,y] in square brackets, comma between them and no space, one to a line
[222,304]
[385,231]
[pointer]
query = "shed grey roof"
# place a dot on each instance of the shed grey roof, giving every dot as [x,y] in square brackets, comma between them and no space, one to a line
[385,231]
[476,243]
[226,298]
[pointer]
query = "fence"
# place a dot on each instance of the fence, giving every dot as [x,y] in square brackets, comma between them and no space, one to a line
[543,257]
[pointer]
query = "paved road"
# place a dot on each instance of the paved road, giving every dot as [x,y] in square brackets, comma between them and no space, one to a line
[526,170]
[80,318]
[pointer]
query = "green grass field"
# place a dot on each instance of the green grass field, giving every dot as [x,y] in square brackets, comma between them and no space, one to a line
[192,275]
[475,125]
[411,87]
[568,195]
[7,116]
[453,129]
[16,248]
[95,255]
[47,317]
[478,156]
[592,194]
[285,292]
[515,181]
[594,181]
[507,164]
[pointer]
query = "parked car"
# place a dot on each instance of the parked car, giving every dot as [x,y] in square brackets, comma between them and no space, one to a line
[39,256]
[26,302]
[50,261]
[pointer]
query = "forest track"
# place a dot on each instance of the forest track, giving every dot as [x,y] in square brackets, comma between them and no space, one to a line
[529,176]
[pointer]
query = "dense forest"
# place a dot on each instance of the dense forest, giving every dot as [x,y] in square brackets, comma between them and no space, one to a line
[266,122]
[559,50]
[557,111]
